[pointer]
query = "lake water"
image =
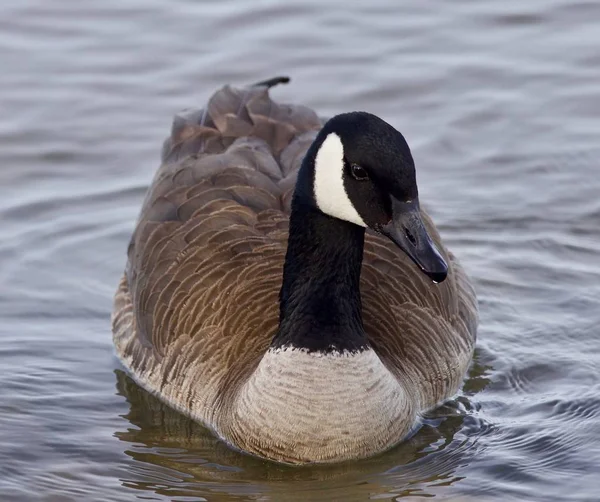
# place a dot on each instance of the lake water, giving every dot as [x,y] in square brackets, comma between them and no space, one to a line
[500,102]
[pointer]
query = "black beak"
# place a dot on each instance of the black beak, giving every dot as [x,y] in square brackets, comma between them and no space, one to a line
[408,232]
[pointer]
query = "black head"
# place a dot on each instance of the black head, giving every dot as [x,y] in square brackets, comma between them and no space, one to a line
[363,172]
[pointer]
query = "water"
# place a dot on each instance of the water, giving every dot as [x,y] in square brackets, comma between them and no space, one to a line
[500,103]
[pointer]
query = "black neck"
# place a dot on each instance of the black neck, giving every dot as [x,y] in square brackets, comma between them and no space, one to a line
[320,307]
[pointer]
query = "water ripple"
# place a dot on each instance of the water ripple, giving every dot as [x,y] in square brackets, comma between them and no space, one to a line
[499,102]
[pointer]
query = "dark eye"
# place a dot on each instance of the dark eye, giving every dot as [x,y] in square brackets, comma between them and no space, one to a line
[359,173]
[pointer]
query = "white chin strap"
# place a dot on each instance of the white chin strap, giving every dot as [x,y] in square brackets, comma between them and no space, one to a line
[330,194]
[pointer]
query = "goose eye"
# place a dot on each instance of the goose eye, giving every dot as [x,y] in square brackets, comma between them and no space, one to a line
[359,173]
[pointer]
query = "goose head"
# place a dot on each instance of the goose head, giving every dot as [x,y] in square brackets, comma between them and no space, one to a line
[360,170]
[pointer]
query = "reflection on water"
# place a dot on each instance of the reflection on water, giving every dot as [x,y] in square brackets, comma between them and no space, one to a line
[176,457]
[500,104]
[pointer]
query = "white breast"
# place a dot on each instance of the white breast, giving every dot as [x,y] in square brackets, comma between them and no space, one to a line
[322,407]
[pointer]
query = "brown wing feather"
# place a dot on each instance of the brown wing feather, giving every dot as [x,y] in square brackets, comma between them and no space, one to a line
[200,295]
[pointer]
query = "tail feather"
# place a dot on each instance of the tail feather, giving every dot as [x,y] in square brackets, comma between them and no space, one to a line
[233,113]
[272,82]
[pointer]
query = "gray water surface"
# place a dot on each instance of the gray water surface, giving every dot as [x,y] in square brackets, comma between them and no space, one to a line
[500,102]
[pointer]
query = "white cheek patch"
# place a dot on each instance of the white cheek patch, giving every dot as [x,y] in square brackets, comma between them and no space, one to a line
[330,194]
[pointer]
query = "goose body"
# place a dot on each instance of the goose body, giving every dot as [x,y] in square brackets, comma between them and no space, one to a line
[255,301]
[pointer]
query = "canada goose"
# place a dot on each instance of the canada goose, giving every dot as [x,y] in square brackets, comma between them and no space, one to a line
[244,304]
